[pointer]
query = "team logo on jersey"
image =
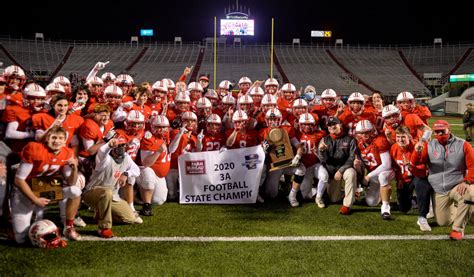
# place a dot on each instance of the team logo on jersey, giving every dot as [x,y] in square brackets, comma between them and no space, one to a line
[436,153]
[251,161]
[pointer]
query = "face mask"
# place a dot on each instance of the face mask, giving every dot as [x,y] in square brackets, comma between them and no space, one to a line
[442,139]
[118,154]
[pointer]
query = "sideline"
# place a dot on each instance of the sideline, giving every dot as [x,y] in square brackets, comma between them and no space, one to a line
[285,238]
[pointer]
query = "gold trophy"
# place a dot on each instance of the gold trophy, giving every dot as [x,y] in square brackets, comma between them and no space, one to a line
[50,187]
[280,151]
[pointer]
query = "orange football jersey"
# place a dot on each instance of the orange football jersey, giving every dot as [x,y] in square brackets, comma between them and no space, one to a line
[161,167]
[44,162]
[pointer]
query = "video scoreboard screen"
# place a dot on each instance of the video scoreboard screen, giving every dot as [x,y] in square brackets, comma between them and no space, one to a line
[237,27]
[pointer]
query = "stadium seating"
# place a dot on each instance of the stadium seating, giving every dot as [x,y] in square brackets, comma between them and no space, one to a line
[345,69]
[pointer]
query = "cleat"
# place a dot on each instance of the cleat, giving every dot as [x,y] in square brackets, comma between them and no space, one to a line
[146,210]
[292,198]
[71,234]
[344,210]
[423,223]
[106,233]
[260,199]
[319,201]
[79,222]
[386,216]
[138,219]
[455,235]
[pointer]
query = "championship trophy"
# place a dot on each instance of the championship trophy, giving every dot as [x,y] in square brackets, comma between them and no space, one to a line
[50,187]
[280,150]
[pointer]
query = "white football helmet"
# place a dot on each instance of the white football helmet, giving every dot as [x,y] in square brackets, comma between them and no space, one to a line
[244,80]
[182,97]
[157,125]
[271,82]
[406,96]
[288,87]
[45,234]
[56,88]
[169,83]
[245,99]
[273,118]
[203,103]
[108,76]
[269,99]
[214,124]
[34,97]
[239,115]
[365,131]
[62,80]
[211,94]
[160,86]
[306,118]
[391,115]
[14,72]
[135,122]
[228,99]
[214,118]
[307,123]
[124,80]
[300,103]
[95,81]
[329,98]
[225,84]
[113,90]
[189,116]
[195,86]
[256,91]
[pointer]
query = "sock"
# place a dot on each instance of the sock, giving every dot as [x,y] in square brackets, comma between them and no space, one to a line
[132,206]
[321,188]
[385,206]
[69,222]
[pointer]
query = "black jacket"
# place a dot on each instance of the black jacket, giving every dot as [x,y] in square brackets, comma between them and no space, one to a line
[339,155]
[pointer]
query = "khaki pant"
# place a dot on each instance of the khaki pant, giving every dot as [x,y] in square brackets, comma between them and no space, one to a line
[349,178]
[100,198]
[447,213]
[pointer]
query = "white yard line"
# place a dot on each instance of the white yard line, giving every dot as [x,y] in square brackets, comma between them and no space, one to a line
[286,238]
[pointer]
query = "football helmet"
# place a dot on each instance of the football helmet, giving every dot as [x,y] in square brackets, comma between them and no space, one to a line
[273,118]
[14,77]
[34,97]
[356,97]
[329,98]
[307,123]
[365,131]
[203,103]
[182,97]
[244,80]
[45,234]
[228,99]
[214,124]
[406,101]
[256,91]
[95,81]
[195,86]
[239,115]
[135,122]
[54,88]
[169,83]
[157,125]
[391,115]
[107,77]
[124,80]
[113,95]
[211,95]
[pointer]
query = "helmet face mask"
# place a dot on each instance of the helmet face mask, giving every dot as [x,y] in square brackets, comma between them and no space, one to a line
[329,102]
[273,118]
[213,128]
[306,128]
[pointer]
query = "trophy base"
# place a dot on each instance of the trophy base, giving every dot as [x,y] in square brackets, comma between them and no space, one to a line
[280,164]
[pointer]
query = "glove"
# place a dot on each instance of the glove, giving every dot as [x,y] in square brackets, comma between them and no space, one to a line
[110,135]
[296,160]
[200,136]
[100,65]
[265,146]
[79,105]
[183,129]
[127,105]
[223,149]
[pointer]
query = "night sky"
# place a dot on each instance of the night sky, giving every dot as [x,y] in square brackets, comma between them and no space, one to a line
[384,22]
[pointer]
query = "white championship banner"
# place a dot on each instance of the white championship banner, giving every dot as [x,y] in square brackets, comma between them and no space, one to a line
[213,177]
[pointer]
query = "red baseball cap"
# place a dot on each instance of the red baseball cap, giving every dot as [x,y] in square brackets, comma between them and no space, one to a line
[440,125]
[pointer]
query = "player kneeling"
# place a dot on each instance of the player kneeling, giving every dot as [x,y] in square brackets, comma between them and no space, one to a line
[375,152]
[155,161]
[45,163]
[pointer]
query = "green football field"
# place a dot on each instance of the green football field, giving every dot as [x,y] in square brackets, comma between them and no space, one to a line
[279,240]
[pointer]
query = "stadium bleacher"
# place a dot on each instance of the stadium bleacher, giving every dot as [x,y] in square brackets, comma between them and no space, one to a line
[345,69]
